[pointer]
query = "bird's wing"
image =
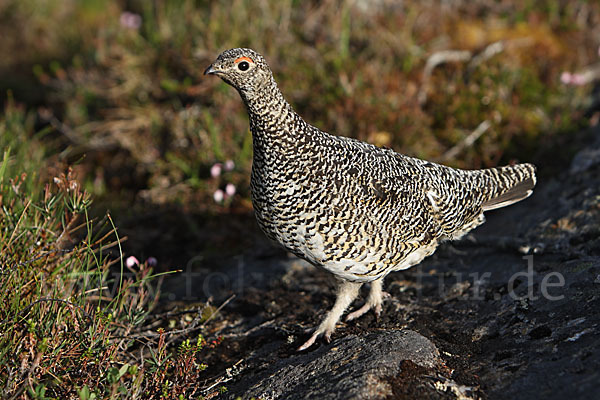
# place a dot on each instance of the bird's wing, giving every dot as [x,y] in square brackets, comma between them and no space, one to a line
[416,198]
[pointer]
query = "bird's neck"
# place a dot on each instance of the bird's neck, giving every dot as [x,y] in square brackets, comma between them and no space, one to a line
[273,122]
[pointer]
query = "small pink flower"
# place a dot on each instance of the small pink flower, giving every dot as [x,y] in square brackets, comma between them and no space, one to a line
[578,80]
[229,165]
[566,77]
[215,170]
[131,262]
[218,196]
[130,20]
[230,189]
[152,261]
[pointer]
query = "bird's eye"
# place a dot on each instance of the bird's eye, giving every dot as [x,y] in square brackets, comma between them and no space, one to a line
[243,66]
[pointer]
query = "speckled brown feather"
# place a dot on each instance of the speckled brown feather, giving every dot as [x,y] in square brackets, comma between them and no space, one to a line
[351,208]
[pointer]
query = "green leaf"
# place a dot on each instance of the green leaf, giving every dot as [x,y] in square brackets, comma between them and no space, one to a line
[4,164]
[123,370]
[84,393]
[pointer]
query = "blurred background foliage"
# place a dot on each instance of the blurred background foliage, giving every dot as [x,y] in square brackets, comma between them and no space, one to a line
[117,86]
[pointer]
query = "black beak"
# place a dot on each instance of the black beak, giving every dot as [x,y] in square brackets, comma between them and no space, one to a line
[210,70]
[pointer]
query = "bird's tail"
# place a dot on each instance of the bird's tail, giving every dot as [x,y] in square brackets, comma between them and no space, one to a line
[508,185]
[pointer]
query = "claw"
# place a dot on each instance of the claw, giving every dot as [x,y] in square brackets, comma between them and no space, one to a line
[378,310]
[358,313]
[313,339]
[309,342]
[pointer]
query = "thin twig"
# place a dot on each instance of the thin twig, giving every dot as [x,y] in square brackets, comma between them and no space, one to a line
[433,61]
[88,316]
[47,115]
[445,56]
[194,326]
[12,236]
[496,48]
[490,51]
[467,141]
[219,309]
[230,373]
[43,254]
[82,145]
[249,331]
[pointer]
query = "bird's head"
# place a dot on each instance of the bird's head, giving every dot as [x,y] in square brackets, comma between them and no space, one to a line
[244,69]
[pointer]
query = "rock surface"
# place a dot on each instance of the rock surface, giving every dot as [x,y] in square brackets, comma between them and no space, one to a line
[511,311]
[356,367]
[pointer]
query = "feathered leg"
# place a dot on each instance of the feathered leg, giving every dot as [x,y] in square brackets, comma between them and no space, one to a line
[374,301]
[347,292]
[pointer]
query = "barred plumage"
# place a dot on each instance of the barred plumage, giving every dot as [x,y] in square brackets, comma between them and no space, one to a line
[351,208]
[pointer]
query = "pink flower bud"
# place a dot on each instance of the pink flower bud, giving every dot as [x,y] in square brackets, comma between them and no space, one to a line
[152,261]
[218,196]
[130,20]
[131,262]
[215,170]
[578,80]
[230,189]
[565,77]
[229,165]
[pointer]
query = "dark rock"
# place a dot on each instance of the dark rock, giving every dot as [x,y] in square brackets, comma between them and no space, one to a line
[540,332]
[356,367]
[585,159]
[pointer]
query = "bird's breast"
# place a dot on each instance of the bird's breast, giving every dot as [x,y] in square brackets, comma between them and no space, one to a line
[287,205]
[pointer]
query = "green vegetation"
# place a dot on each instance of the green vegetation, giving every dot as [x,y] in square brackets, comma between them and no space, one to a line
[134,96]
[105,103]
[70,325]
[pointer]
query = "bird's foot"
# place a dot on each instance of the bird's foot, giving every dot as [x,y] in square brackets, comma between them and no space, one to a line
[347,292]
[314,337]
[373,302]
